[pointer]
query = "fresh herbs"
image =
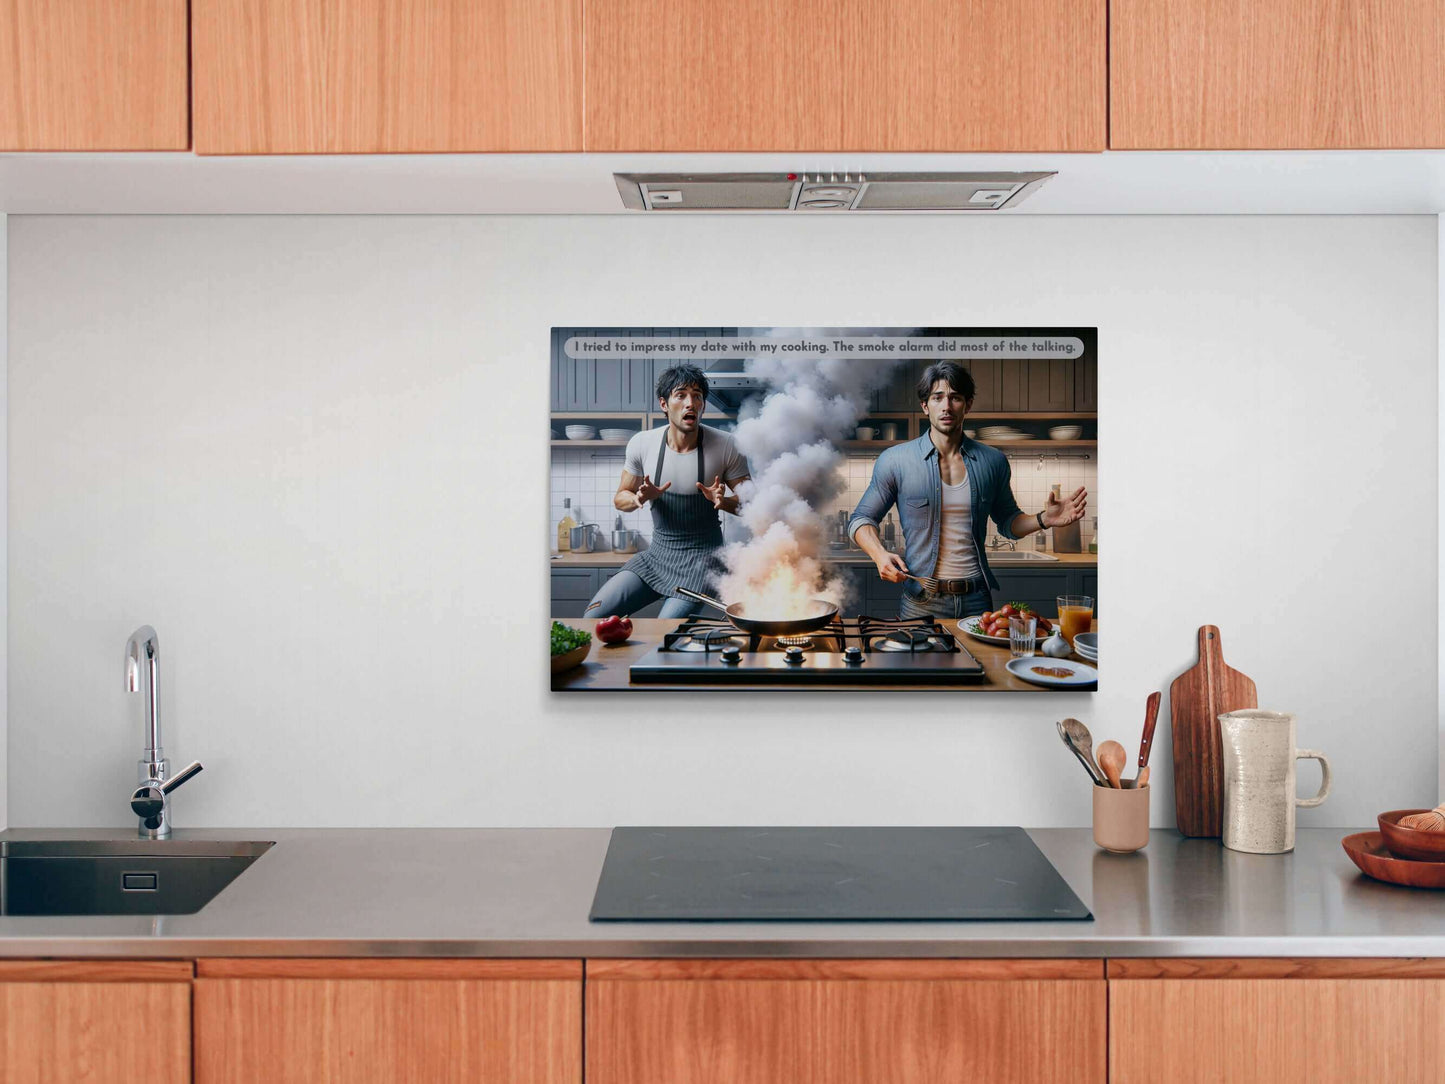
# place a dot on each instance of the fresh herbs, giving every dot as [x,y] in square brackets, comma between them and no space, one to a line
[565,639]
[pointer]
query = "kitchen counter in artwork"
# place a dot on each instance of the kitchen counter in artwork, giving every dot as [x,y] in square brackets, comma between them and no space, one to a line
[526,892]
[606,668]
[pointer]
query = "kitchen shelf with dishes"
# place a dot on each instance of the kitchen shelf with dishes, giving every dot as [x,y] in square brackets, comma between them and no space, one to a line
[595,429]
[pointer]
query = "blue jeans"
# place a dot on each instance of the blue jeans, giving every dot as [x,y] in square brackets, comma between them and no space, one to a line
[626,593]
[953,607]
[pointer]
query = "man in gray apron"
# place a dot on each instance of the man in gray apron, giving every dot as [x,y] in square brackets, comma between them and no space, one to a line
[683,470]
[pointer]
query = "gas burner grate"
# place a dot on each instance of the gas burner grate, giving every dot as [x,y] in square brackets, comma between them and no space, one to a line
[906,634]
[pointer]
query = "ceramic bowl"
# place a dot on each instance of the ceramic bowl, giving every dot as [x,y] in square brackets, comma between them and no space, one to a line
[1411,842]
[573,658]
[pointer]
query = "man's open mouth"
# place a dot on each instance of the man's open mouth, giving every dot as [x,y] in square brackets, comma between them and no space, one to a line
[690,416]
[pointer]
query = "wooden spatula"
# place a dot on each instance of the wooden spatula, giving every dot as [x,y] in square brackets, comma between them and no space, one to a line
[1196,700]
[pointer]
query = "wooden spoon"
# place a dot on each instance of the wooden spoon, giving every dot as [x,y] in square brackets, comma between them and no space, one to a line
[1077,735]
[1111,760]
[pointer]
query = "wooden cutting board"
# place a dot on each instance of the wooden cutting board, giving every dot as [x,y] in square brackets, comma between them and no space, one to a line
[1196,700]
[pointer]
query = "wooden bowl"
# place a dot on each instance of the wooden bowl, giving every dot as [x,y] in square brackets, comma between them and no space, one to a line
[573,658]
[1412,843]
[1367,850]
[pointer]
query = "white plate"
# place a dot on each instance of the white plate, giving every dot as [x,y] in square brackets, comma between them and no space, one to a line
[617,434]
[1081,673]
[1093,660]
[970,626]
[1089,641]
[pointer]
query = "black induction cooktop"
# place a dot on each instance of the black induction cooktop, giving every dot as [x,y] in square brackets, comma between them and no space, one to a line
[829,875]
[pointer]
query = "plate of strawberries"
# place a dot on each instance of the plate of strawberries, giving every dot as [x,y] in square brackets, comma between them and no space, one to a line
[992,627]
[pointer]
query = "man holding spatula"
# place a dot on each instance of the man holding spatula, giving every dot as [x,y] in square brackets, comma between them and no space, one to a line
[947,487]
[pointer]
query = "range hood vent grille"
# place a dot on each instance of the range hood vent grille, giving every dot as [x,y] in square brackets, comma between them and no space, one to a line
[818,193]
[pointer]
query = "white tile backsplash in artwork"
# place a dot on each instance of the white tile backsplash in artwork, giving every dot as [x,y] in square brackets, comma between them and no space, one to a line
[590,479]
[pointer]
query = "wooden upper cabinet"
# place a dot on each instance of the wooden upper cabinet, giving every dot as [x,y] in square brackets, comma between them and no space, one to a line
[93,75]
[1282,74]
[846,75]
[384,76]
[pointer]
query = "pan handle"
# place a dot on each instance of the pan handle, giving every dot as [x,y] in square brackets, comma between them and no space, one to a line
[699,597]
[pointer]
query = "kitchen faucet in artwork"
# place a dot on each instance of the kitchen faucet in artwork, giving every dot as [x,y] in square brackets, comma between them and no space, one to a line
[684,471]
[946,487]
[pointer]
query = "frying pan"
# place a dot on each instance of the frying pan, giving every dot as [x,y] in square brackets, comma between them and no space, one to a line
[819,614]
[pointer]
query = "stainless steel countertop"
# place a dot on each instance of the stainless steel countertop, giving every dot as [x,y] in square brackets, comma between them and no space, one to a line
[526,892]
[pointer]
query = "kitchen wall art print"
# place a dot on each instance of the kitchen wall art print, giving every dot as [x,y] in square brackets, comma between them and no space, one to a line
[824,508]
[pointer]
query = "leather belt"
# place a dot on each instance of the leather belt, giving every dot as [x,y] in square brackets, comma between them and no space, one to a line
[958,587]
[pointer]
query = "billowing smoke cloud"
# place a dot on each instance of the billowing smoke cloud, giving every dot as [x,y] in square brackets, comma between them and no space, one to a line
[790,440]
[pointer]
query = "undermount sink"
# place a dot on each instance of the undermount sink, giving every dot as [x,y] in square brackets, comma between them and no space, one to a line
[118,877]
[1019,557]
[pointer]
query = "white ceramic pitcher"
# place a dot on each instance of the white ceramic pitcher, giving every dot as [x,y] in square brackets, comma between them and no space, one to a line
[1259,780]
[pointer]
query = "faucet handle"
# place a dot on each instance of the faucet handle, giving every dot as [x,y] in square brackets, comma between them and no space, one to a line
[190,771]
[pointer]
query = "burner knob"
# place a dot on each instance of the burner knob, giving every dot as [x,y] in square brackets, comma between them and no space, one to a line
[731,655]
[793,656]
[853,656]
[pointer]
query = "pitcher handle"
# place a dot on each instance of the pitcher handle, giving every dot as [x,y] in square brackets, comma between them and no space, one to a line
[1318,799]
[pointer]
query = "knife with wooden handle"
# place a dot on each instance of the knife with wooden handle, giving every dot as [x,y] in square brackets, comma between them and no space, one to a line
[1151,716]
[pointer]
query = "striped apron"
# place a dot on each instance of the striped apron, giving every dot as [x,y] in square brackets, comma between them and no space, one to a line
[686,536]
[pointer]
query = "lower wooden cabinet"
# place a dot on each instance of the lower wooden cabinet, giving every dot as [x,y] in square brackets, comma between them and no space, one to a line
[106,1022]
[375,1021]
[845,1021]
[1276,1021]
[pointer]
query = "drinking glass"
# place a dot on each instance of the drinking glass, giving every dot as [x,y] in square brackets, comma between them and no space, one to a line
[1076,615]
[1021,629]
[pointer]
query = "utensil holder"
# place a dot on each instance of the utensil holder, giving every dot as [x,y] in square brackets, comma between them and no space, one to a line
[1121,819]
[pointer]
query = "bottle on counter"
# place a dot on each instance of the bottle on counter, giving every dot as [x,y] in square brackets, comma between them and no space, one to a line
[564,527]
[890,534]
[1094,536]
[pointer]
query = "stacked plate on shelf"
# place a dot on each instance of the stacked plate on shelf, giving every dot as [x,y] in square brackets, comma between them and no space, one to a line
[1086,646]
[581,432]
[617,434]
[1066,432]
[1001,432]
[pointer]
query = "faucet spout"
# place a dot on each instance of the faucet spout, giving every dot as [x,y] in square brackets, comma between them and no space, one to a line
[142,652]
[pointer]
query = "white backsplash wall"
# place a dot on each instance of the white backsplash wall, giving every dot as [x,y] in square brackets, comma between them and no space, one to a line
[590,479]
[309,451]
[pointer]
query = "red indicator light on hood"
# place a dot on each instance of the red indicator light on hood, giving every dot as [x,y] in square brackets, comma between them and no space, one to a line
[792,176]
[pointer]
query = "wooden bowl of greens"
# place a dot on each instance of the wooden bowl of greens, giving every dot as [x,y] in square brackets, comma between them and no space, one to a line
[569,647]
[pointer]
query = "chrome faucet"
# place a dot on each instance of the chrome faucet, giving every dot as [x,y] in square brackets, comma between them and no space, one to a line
[149,800]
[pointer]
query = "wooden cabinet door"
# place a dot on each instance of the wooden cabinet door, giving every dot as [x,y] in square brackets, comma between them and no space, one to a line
[1051,384]
[1289,74]
[844,1022]
[93,75]
[381,76]
[845,75]
[1086,384]
[109,1022]
[381,1021]
[1276,1021]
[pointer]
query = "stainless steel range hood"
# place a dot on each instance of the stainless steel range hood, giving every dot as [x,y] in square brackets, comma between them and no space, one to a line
[817,192]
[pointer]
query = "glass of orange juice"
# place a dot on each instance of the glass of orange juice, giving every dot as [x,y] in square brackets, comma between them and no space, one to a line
[1076,615]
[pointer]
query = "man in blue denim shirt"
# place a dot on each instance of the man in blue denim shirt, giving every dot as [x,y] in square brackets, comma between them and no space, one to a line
[946,488]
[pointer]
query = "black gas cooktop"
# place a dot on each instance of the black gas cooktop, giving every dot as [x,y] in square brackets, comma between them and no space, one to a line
[829,874]
[849,651]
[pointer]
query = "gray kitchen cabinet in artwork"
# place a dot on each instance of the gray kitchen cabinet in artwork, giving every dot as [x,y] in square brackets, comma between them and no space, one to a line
[1000,385]
[1041,587]
[573,588]
[601,384]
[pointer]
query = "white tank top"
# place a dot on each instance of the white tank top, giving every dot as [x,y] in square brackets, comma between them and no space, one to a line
[957,558]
